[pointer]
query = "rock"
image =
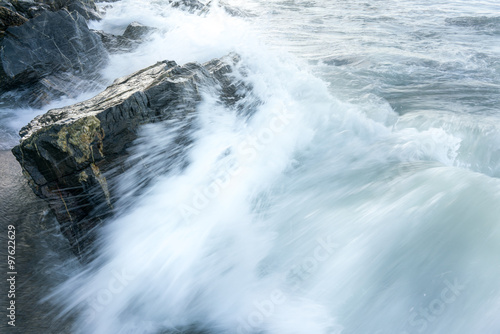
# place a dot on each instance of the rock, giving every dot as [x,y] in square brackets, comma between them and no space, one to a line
[68,154]
[42,248]
[233,11]
[137,31]
[188,5]
[32,8]
[131,38]
[194,6]
[51,45]
[29,8]
[7,4]
[9,18]
[116,43]
[85,8]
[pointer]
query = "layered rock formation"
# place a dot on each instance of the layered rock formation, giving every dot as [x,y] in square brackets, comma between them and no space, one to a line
[66,153]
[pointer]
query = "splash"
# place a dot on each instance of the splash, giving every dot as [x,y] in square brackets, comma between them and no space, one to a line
[306,214]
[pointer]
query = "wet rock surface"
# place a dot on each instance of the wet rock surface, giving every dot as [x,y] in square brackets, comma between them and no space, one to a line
[134,34]
[67,154]
[47,57]
[32,8]
[136,31]
[189,5]
[195,6]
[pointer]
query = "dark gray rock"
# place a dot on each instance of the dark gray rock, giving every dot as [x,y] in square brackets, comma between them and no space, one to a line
[68,154]
[196,7]
[116,43]
[43,250]
[30,8]
[9,18]
[233,11]
[33,8]
[50,46]
[7,4]
[137,31]
[134,34]
[85,8]
[188,5]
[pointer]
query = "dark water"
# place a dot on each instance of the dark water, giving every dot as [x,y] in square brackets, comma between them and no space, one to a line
[40,250]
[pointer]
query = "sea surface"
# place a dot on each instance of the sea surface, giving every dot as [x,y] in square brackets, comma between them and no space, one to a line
[358,194]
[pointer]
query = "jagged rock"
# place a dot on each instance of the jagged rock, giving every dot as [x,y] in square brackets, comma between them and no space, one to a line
[28,8]
[33,8]
[233,11]
[48,46]
[7,4]
[129,40]
[67,153]
[116,43]
[188,5]
[195,6]
[136,31]
[9,18]
[85,8]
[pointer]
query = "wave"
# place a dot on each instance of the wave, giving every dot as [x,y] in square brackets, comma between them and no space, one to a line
[303,214]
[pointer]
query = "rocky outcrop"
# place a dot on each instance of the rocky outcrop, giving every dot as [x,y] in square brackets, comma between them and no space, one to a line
[136,31]
[134,34]
[188,5]
[195,6]
[47,57]
[85,8]
[33,8]
[9,18]
[67,154]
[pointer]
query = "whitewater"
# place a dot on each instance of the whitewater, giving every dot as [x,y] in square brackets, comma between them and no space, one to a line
[355,189]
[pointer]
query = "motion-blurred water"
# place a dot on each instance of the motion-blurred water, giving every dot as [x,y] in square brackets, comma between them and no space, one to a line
[360,195]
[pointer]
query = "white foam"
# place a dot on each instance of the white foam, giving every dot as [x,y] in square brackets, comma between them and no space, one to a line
[344,218]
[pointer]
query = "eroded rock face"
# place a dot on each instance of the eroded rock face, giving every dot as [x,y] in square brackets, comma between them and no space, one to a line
[66,153]
[47,56]
[32,8]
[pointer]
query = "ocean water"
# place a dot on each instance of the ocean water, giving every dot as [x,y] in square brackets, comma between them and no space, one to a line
[359,195]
